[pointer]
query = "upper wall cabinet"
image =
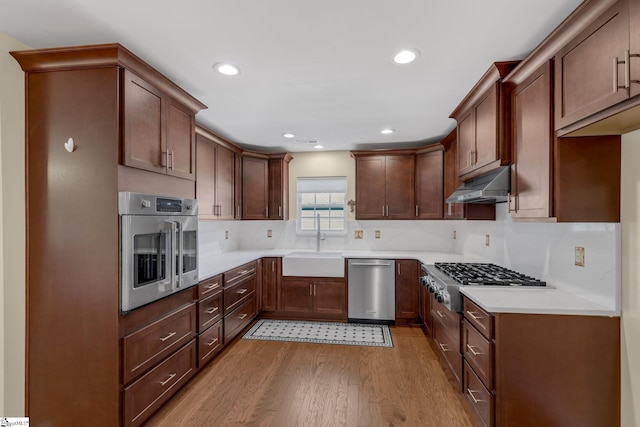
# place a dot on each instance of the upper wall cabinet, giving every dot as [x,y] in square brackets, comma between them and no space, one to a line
[265,185]
[429,182]
[599,67]
[385,184]
[159,131]
[483,118]
[216,177]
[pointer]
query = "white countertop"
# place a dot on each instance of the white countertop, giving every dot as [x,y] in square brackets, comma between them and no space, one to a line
[548,300]
[224,261]
[533,301]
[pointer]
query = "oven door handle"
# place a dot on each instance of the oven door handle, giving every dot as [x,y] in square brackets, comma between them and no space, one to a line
[171,252]
[180,253]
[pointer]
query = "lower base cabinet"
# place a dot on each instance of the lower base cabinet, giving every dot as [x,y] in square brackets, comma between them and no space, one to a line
[320,298]
[446,337]
[239,319]
[144,396]
[210,343]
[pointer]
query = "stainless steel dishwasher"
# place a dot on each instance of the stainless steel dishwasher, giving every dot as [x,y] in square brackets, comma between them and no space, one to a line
[372,290]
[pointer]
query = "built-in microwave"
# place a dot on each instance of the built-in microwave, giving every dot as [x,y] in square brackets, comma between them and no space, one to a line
[158,247]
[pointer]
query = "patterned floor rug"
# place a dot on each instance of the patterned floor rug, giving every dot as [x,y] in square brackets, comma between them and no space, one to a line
[321,332]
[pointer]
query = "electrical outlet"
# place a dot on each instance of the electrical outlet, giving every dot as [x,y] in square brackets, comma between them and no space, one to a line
[487,240]
[579,255]
[377,234]
[269,233]
[358,234]
[454,235]
[226,235]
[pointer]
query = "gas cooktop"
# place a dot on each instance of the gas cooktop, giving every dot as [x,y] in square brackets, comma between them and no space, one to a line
[485,274]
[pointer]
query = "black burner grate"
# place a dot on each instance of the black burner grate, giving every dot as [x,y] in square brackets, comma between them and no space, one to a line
[486,274]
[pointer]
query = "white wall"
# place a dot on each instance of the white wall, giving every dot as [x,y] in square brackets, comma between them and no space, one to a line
[630,218]
[12,230]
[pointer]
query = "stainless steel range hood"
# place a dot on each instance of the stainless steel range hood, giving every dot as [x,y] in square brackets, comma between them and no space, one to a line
[492,187]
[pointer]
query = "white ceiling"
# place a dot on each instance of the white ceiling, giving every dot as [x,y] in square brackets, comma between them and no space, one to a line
[319,69]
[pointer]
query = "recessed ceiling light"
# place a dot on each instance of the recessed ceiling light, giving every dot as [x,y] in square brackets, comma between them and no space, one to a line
[226,69]
[387,131]
[318,146]
[406,56]
[288,135]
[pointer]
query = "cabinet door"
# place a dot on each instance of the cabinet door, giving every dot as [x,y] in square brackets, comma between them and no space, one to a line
[407,290]
[225,183]
[452,182]
[271,273]
[206,177]
[180,141]
[531,184]
[466,143]
[486,150]
[144,137]
[429,185]
[255,188]
[296,295]
[370,187]
[584,76]
[400,187]
[276,196]
[330,296]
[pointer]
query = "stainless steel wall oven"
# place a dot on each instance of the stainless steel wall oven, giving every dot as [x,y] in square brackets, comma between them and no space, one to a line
[158,247]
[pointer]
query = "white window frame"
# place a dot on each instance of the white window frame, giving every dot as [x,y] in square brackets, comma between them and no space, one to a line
[320,184]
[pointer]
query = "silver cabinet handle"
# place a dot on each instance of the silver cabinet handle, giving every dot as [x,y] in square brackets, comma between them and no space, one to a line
[273,266]
[473,397]
[162,383]
[443,347]
[314,289]
[279,211]
[211,310]
[416,211]
[242,316]
[310,285]
[364,264]
[471,349]
[399,269]
[267,209]
[440,314]
[382,210]
[238,212]
[163,339]
[212,342]
[242,291]
[211,287]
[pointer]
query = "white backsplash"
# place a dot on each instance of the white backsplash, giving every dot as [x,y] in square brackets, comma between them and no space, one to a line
[542,250]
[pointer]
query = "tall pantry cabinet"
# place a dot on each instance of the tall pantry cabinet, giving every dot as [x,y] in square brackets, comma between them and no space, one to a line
[76,153]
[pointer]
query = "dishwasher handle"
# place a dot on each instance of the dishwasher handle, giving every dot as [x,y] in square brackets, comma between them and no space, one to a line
[367,264]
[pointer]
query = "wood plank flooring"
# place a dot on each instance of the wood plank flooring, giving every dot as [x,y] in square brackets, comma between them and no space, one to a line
[282,384]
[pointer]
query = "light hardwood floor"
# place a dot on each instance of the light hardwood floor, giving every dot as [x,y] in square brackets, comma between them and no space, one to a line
[281,384]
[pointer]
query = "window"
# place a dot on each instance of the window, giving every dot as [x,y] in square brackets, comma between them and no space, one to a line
[327,197]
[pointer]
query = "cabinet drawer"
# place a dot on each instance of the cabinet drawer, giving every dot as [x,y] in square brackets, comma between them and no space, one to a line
[478,352]
[209,311]
[449,319]
[233,276]
[239,319]
[146,395]
[478,396]
[209,343]
[149,345]
[210,286]
[449,348]
[479,318]
[235,295]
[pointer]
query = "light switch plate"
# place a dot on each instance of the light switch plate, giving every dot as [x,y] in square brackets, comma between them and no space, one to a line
[358,234]
[579,255]
[454,235]
[269,233]
[487,240]
[226,234]
[377,234]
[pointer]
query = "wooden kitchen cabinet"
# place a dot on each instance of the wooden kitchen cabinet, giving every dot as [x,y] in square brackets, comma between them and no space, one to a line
[407,291]
[425,310]
[585,71]
[318,298]
[216,177]
[210,324]
[508,358]
[558,179]
[446,337]
[385,184]
[75,345]
[265,185]
[430,182]
[271,277]
[483,119]
[239,299]
[159,131]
